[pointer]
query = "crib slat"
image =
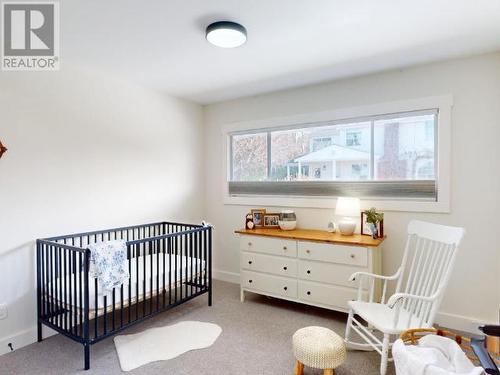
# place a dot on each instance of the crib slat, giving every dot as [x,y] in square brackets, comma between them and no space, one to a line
[164,252]
[59,287]
[181,245]
[75,293]
[121,306]
[41,276]
[113,310]
[64,291]
[80,273]
[129,255]
[191,262]
[47,279]
[210,290]
[169,243]
[96,307]
[185,278]
[199,250]
[151,257]
[158,290]
[51,285]
[137,271]
[195,259]
[164,244]
[205,249]
[144,278]
[105,317]
[176,243]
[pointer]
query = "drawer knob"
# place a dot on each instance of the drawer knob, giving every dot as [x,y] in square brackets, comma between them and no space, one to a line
[308,251]
[285,288]
[249,244]
[249,262]
[308,293]
[352,256]
[284,248]
[285,268]
[308,271]
[250,281]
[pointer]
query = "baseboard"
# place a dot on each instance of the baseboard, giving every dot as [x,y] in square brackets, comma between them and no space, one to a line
[23,338]
[230,277]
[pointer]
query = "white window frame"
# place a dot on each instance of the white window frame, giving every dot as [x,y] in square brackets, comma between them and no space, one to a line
[442,205]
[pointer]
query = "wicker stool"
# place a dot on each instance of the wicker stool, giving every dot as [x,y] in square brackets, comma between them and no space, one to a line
[319,348]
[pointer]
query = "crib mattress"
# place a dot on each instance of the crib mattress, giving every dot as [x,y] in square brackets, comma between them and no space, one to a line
[141,269]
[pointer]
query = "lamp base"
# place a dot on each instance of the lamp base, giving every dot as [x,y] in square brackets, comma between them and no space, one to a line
[347,227]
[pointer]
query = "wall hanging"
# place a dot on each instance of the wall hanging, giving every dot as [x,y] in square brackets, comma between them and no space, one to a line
[3,149]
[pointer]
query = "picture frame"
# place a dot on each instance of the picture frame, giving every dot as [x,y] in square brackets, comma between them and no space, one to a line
[258,217]
[365,227]
[271,220]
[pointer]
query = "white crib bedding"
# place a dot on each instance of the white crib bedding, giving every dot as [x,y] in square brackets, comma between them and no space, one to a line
[182,264]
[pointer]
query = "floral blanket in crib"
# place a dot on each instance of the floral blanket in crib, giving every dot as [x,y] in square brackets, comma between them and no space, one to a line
[109,264]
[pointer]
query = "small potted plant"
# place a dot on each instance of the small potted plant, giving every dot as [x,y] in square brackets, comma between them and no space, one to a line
[373,218]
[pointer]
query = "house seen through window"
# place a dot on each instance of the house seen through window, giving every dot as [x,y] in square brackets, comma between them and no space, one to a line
[395,147]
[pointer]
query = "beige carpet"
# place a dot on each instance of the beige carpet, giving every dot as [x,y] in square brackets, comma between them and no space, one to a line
[256,340]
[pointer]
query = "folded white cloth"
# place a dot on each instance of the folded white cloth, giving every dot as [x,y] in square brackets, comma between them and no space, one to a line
[109,264]
[434,355]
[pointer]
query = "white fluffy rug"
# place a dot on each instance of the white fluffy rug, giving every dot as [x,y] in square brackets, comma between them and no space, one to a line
[164,343]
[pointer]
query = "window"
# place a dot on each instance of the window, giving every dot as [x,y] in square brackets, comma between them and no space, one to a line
[359,171]
[249,157]
[319,143]
[353,139]
[389,156]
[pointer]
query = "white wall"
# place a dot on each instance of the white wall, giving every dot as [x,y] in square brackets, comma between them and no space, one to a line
[474,291]
[86,152]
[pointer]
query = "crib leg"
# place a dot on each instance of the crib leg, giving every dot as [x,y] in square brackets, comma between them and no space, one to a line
[39,332]
[210,296]
[86,347]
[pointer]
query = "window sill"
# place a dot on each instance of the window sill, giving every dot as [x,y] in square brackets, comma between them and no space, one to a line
[329,203]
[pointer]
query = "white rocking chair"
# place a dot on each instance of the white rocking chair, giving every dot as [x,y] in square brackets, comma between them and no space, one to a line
[429,257]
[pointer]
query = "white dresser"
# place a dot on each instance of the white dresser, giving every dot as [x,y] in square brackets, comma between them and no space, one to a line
[307,266]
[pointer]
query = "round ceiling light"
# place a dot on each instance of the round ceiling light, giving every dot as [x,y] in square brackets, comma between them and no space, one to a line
[226,34]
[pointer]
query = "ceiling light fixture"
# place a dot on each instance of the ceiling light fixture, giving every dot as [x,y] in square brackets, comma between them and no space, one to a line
[226,34]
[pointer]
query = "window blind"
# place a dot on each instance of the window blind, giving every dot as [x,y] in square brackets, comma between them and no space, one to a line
[407,190]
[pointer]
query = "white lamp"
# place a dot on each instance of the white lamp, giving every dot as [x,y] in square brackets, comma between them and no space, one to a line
[347,209]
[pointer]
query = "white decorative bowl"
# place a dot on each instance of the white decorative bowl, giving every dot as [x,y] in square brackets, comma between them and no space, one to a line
[287,225]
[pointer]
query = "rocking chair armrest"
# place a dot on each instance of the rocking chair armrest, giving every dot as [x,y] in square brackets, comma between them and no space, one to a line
[397,297]
[374,276]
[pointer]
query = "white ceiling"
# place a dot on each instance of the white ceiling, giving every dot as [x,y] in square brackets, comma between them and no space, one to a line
[161,43]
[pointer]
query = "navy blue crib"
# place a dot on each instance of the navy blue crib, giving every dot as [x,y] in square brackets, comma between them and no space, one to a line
[169,264]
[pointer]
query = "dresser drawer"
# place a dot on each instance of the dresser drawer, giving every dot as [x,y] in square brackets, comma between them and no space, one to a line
[267,245]
[330,295]
[352,255]
[271,284]
[331,273]
[282,266]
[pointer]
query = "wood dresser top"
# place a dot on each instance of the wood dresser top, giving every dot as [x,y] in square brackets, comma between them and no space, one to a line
[314,235]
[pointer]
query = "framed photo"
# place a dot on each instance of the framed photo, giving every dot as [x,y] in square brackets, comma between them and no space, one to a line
[366,227]
[271,220]
[258,217]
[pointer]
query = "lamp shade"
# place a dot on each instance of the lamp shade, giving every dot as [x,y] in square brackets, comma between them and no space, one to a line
[347,207]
